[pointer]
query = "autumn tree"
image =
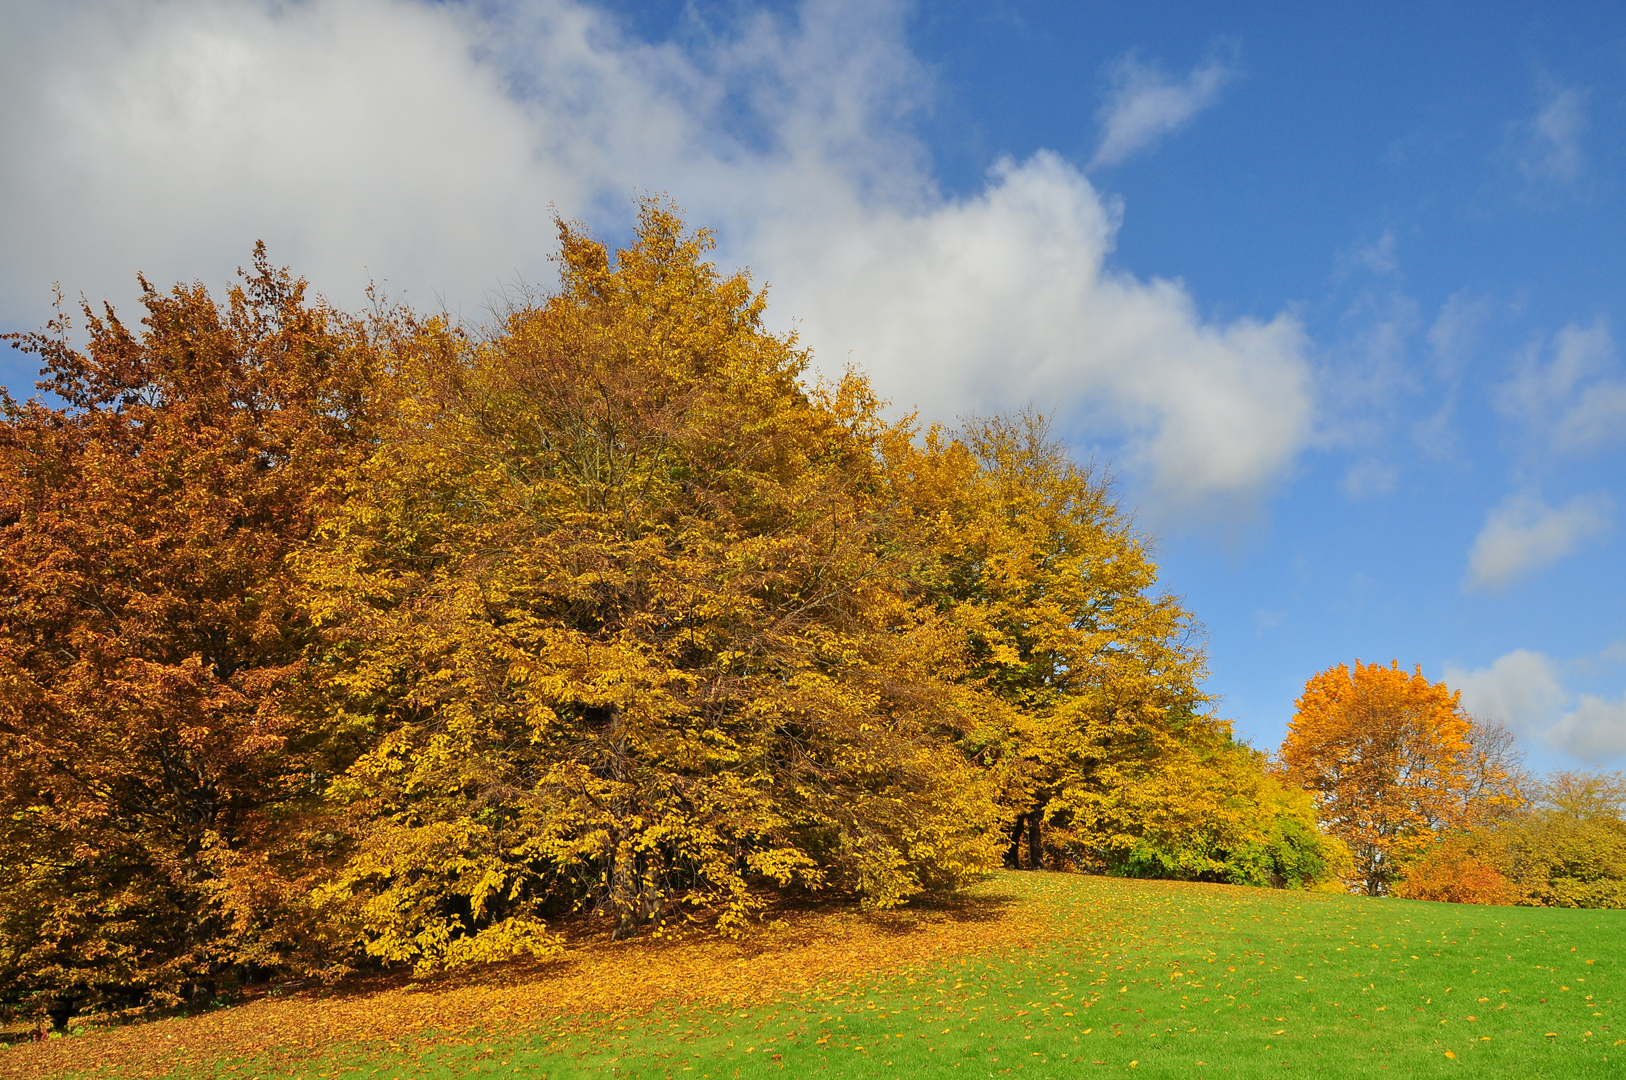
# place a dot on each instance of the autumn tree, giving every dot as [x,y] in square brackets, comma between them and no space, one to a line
[1461,868]
[1223,817]
[154,741]
[1495,783]
[1389,757]
[1569,848]
[1565,847]
[1106,752]
[618,603]
[333,644]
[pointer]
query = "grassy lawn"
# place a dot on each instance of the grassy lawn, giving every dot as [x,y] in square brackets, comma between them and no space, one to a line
[1160,978]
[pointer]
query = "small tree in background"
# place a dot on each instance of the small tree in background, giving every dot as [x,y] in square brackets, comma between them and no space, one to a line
[1495,784]
[1391,759]
[1459,870]
[1565,848]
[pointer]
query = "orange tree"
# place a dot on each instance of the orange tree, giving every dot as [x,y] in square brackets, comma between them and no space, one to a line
[153,742]
[1388,757]
[1566,847]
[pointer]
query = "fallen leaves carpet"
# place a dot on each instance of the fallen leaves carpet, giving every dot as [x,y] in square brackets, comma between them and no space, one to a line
[595,978]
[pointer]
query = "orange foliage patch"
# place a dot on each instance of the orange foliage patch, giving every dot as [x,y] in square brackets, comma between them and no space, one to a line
[595,978]
[1451,874]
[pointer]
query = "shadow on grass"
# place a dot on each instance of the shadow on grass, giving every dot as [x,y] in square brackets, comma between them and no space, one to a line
[797,943]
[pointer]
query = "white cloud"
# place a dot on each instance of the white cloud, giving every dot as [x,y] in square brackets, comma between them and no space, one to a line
[425,144]
[1547,146]
[1525,534]
[1006,298]
[1594,732]
[1368,477]
[167,137]
[1145,104]
[1565,392]
[1520,690]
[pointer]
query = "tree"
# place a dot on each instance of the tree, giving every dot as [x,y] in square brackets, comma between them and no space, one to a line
[1583,796]
[1495,782]
[1569,850]
[619,607]
[155,744]
[1458,870]
[1390,760]
[1566,847]
[1222,817]
[1104,749]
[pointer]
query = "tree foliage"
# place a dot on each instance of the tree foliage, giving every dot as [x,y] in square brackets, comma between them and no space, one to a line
[1106,752]
[336,644]
[1392,759]
[1567,848]
[156,741]
[619,602]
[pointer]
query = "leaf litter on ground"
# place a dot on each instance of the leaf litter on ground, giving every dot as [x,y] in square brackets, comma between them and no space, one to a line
[1033,974]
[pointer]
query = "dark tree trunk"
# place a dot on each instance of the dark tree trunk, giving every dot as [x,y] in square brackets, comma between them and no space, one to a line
[1013,854]
[624,887]
[1035,841]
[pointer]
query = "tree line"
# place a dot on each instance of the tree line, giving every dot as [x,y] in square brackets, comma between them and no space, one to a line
[337,641]
[1435,805]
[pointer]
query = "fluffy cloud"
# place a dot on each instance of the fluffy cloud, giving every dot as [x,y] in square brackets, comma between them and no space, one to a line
[426,144]
[1520,690]
[1525,534]
[1594,732]
[355,136]
[1145,104]
[1006,298]
[1523,691]
[1566,392]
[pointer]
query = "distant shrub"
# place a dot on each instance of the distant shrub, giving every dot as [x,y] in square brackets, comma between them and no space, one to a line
[1452,873]
[1567,850]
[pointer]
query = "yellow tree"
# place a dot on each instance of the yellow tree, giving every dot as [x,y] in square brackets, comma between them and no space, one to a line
[617,608]
[1387,755]
[1104,748]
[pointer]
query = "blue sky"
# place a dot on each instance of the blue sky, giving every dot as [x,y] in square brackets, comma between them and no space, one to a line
[1337,294]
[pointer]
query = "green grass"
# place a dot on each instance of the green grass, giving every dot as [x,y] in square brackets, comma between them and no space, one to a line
[1164,979]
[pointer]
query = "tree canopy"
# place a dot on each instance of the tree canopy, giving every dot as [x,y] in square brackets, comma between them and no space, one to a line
[158,738]
[339,643]
[1392,759]
[1565,848]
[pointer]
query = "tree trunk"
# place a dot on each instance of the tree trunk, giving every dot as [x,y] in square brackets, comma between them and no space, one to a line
[1035,840]
[624,886]
[1013,854]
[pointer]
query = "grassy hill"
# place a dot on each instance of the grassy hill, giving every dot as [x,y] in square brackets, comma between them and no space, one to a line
[1038,975]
